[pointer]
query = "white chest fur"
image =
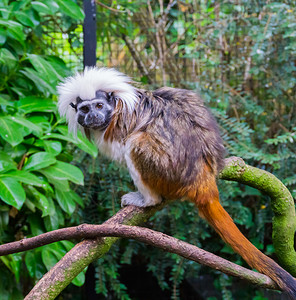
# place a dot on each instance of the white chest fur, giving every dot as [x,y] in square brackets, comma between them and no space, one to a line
[114,150]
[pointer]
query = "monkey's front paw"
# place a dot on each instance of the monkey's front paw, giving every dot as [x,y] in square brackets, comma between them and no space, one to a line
[132,198]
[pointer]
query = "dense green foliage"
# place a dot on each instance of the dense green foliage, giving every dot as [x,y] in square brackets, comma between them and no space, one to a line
[239,56]
[35,170]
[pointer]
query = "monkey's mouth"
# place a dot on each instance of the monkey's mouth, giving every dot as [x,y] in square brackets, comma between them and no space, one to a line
[95,125]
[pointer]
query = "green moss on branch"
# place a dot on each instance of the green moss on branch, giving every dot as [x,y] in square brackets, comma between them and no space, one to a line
[282,203]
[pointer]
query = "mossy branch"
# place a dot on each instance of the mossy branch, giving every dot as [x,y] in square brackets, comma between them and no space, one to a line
[282,204]
[87,251]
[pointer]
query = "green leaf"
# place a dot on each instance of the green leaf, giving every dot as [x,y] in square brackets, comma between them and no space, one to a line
[51,222]
[40,201]
[71,9]
[16,265]
[79,279]
[62,171]
[11,192]
[5,102]
[31,264]
[40,82]
[26,123]
[35,224]
[14,29]
[31,104]
[52,5]
[3,36]
[43,66]
[23,176]
[59,137]
[53,147]
[41,7]
[7,58]
[23,18]
[67,245]
[6,162]
[41,121]
[39,160]
[65,201]
[76,198]
[4,217]
[10,132]
[48,257]
[58,183]
[81,141]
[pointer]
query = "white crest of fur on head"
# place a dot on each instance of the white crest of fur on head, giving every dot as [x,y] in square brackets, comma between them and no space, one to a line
[85,85]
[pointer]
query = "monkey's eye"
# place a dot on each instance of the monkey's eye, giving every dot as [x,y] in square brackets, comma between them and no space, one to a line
[99,106]
[84,109]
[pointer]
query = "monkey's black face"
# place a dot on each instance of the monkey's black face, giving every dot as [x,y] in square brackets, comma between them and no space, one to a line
[95,113]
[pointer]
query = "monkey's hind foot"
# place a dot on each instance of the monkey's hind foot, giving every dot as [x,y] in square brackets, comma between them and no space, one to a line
[133,198]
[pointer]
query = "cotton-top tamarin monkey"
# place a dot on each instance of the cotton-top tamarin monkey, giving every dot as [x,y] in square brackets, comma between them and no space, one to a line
[170,144]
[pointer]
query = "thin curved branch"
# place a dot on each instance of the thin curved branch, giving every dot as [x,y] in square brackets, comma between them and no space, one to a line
[282,204]
[145,235]
[110,8]
[85,252]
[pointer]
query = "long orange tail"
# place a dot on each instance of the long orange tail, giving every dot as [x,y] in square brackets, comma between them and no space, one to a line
[210,208]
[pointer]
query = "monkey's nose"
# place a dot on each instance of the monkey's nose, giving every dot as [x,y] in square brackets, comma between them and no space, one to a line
[93,119]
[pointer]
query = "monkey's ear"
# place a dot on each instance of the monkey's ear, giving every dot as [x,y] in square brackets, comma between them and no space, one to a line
[112,99]
[73,105]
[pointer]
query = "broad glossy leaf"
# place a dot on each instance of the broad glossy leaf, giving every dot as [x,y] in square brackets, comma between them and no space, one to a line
[51,222]
[52,5]
[7,58]
[24,176]
[14,29]
[6,162]
[30,104]
[79,279]
[71,9]
[31,264]
[24,122]
[5,102]
[39,160]
[10,131]
[68,245]
[43,66]
[65,201]
[36,224]
[81,141]
[64,171]
[53,147]
[16,264]
[40,82]
[41,7]
[48,257]
[11,192]
[40,201]
[61,184]
[3,36]
[42,122]
[23,18]
[59,65]
[59,137]
[76,198]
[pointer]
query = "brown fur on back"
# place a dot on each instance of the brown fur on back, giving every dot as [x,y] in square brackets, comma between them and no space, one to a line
[173,137]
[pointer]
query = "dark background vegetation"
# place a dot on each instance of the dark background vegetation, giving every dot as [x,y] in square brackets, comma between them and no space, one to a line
[239,55]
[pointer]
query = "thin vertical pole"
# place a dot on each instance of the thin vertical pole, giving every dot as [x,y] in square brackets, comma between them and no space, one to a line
[89,33]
